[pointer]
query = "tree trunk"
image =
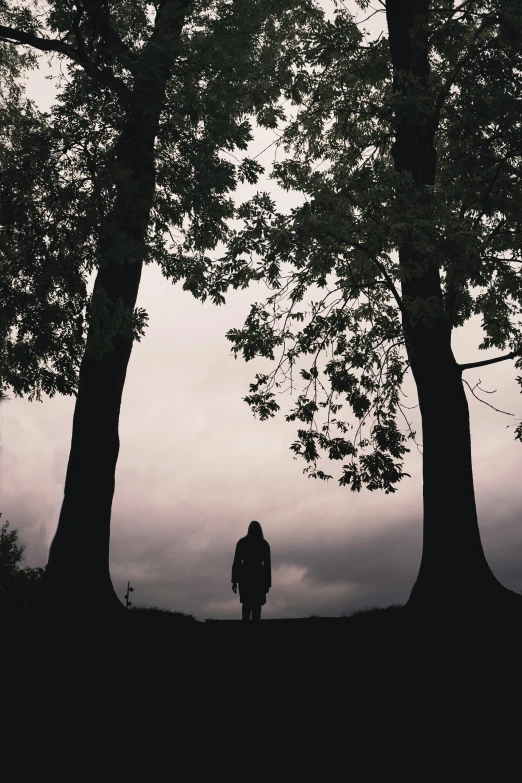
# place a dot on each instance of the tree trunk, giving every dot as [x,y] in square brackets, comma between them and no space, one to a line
[453,566]
[454,572]
[78,567]
[77,574]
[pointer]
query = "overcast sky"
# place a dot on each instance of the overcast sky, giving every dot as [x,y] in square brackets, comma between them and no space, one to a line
[195,467]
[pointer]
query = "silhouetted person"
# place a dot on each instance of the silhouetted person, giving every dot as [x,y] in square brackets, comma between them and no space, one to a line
[252,571]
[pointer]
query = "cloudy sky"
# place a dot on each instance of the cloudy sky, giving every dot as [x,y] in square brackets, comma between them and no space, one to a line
[195,467]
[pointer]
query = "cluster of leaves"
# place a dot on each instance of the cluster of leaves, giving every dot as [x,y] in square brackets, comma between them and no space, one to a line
[235,66]
[479,199]
[17,584]
[45,244]
[363,367]
[358,211]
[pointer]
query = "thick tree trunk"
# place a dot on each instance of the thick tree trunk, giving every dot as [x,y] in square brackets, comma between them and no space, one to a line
[78,567]
[77,576]
[454,572]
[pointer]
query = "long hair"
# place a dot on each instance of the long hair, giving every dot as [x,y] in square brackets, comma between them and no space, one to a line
[255,530]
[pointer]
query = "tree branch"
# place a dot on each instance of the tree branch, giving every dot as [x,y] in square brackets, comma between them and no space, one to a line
[382,270]
[380,267]
[491,185]
[472,390]
[99,16]
[13,35]
[483,363]
[168,24]
[76,29]
[103,76]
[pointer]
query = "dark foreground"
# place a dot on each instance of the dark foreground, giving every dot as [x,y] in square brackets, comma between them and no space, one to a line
[378,680]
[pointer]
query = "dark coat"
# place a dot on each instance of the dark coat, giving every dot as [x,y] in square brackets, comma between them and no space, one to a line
[252,570]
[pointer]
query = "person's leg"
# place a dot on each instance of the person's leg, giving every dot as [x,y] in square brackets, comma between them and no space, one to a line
[245,611]
[256,613]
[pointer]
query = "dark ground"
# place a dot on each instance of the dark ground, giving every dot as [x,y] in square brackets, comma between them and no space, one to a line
[299,689]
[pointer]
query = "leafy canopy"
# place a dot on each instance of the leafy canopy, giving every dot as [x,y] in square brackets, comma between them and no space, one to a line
[58,169]
[346,345]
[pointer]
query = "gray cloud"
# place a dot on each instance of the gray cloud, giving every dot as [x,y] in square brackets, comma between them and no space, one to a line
[322,574]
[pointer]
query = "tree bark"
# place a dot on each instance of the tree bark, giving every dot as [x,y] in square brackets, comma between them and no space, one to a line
[454,572]
[78,569]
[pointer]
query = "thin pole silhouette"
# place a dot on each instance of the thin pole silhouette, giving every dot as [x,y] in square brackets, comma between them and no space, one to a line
[126,596]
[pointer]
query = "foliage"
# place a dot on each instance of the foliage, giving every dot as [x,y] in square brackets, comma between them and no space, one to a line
[42,278]
[347,346]
[16,584]
[11,552]
[59,170]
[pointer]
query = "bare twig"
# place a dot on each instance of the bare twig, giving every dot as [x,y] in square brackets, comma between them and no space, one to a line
[472,390]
